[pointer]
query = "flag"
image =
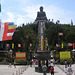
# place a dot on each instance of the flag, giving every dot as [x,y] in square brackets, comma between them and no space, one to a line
[1,45]
[57,45]
[23,45]
[62,45]
[73,45]
[30,45]
[12,45]
[69,44]
[60,34]
[0,5]
[26,37]
[7,45]
[19,45]
[6,30]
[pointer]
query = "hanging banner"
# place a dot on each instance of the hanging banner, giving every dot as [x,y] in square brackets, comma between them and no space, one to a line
[73,45]
[6,31]
[7,45]
[57,45]
[23,45]
[30,45]
[19,45]
[70,44]
[43,44]
[62,45]
[20,55]
[1,45]
[12,45]
[60,34]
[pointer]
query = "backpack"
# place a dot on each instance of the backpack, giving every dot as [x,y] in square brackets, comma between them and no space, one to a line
[44,68]
[52,69]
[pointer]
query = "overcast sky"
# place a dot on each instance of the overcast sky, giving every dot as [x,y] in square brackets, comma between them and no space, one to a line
[24,11]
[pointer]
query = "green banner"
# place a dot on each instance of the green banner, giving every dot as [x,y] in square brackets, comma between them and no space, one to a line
[0,7]
[65,54]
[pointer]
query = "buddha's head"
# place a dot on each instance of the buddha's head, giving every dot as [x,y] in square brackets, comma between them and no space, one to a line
[41,9]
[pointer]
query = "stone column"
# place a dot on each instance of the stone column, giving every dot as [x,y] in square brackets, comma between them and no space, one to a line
[41,28]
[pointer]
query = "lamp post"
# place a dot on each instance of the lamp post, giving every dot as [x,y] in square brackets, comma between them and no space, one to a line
[11,53]
[54,53]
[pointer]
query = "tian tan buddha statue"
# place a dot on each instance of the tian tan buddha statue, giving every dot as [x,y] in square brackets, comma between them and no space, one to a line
[41,15]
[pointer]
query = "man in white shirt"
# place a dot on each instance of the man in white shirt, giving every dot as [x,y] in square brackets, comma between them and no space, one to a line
[51,64]
[69,70]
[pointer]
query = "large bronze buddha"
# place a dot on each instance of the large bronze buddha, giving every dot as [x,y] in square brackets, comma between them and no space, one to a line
[41,15]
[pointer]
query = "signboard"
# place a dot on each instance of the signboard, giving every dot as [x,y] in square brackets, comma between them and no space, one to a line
[20,55]
[64,55]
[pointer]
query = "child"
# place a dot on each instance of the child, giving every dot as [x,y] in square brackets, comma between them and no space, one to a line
[52,70]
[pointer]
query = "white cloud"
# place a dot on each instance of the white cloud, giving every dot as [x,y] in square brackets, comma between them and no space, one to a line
[10,17]
[22,0]
[31,11]
[56,13]
[20,19]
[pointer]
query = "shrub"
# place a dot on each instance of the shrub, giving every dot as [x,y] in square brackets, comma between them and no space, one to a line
[20,61]
[2,59]
[67,59]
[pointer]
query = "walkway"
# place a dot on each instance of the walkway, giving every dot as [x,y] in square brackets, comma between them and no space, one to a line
[31,71]
[27,70]
[62,67]
[5,70]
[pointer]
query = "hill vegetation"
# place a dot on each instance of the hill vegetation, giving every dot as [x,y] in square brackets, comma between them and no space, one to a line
[27,34]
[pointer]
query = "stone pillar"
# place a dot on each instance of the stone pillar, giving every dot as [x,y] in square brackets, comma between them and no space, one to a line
[41,28]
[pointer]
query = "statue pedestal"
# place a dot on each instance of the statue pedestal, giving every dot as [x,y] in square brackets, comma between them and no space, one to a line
[42,56]
[39,69]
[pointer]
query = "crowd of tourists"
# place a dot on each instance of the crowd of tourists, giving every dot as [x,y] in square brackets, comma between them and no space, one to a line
[51,66]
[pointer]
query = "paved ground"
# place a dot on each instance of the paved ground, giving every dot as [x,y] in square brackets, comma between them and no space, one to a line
[27,70]
[31,71]
[5,70]
[62,67]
